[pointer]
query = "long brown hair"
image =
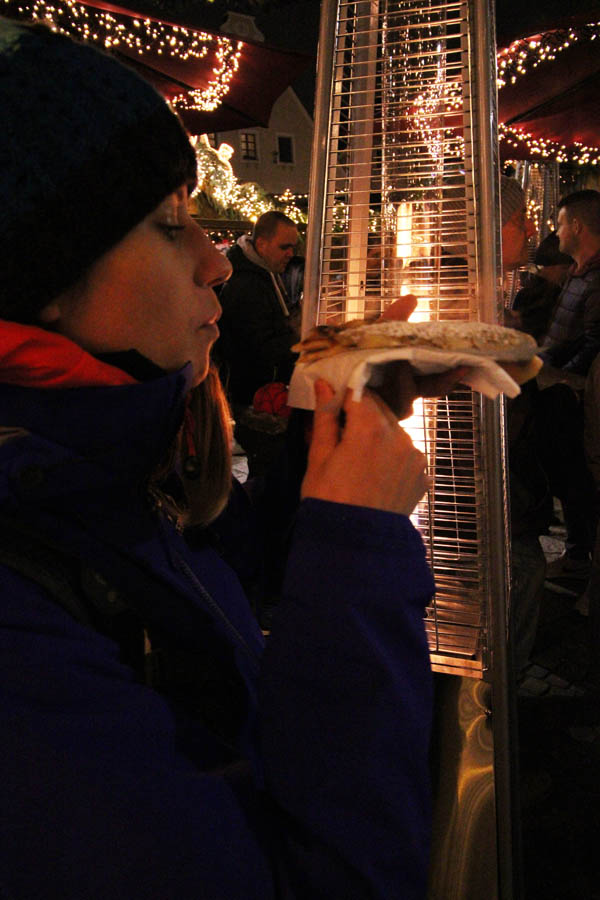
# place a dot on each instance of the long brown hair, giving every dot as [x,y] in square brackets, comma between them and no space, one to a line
[206,471]
[202,456]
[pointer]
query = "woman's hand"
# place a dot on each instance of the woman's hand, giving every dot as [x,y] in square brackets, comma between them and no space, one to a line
[370,461]
[400,309]
[401,385]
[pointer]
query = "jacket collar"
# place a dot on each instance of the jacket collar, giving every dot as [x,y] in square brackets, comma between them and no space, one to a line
[592,263]
[83,408]
[34,357]
[248,249]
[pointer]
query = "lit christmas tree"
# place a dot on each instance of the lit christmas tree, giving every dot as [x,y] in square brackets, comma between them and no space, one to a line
[219,191]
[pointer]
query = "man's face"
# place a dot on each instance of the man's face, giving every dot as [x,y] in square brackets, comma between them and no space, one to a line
[279,249]
[515,240]
[567,233]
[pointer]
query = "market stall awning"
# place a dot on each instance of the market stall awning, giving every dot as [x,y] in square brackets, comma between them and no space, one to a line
[549,93]
[216,82]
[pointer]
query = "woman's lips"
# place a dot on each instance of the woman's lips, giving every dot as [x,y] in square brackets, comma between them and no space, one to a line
[211,329]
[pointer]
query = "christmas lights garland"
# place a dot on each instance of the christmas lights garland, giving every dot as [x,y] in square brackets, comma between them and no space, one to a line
[219,186]
[520,58]
[143,36]
[577,154]
[513,62]
[528,53]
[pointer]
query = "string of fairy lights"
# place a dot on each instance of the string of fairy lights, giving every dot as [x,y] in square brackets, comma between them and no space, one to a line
[142,35]
[518,60]
[546,151]
[246,200]
[513,62]
[430,110]
[528,53]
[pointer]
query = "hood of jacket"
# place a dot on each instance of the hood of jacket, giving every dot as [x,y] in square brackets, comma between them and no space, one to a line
[246,245]
[243,256]
[76,422]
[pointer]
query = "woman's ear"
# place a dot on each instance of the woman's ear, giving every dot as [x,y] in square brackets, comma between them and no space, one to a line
[50,313]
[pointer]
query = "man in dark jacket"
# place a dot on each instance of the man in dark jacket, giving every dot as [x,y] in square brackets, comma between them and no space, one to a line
[570,347]
[573,338]
[534,303]
[256,332]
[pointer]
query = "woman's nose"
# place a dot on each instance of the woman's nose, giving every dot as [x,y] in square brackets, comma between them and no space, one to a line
[212,267]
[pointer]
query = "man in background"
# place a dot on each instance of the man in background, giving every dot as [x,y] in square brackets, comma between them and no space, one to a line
[529,496]
[568,350]
[573,338]
[256,327]
[534,304]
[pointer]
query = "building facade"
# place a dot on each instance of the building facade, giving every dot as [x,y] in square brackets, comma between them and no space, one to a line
[277,157]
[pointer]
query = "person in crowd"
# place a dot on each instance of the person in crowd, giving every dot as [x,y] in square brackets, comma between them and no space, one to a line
[527,482]
[293,281]
[589,602]
[455,467]
[568,350]
[573,338]
[257,328]
[517,228]
[152,746]
[536,300]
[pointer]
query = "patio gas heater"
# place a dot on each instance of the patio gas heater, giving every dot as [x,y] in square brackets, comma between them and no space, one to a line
[404,199]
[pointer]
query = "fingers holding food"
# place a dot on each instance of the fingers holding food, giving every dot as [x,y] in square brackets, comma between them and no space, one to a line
[400,309]
[370,461]
[403,355]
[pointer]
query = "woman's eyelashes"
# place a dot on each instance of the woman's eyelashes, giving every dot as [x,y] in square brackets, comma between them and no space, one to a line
[170,231]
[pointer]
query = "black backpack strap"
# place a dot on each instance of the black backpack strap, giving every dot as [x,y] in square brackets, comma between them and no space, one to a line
[206,685]
[81,591]
[52,569]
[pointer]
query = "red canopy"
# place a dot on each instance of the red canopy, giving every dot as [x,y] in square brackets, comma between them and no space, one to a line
[559,99]
[259,75]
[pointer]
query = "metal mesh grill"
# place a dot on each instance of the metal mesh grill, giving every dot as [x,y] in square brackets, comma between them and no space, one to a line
[398,193]
[399,215]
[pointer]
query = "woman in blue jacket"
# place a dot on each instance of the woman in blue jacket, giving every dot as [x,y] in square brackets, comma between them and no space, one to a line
[152,747]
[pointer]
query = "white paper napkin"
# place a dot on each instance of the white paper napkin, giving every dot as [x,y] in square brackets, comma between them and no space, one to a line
[357,368]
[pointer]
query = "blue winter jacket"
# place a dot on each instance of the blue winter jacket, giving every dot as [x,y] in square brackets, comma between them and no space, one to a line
[107,791]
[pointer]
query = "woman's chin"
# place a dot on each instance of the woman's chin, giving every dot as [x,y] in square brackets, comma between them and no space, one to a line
[200,372]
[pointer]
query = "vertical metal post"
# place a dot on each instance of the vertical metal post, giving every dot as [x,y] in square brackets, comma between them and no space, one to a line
[361,154]
[474,838]
[490,305]
[318,170]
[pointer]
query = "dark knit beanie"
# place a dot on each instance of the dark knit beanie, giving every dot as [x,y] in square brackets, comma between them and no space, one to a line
[87,150]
